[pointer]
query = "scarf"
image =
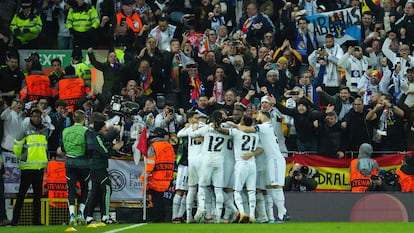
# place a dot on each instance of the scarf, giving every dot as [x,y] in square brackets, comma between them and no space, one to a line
[146,81]
[218,91]
[197,89]
[175,71]
[365,165]
[247,24]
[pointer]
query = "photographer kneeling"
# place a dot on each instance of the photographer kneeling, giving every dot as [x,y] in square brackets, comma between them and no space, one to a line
[385,181]
[301,179]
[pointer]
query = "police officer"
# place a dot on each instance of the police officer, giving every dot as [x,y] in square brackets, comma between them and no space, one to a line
[82,20]
[26,25]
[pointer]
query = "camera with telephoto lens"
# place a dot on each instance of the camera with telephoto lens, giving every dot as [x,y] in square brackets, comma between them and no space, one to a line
[307,171]
[387,177]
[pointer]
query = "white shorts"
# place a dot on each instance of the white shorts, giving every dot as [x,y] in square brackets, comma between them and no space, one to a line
[194,168]
[276,171]
[211,172]
[244,176]
[229,171]
[261,178]
[182,178]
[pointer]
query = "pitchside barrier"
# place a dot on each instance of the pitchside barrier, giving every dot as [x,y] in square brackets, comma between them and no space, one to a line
[127,190]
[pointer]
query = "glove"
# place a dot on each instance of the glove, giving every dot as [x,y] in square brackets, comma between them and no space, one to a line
[71,31]
[26,30]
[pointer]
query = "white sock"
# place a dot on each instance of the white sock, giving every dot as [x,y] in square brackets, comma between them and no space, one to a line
[239,201]
[176,205]
[201,197]
[71,210]
[181,211]
[252,202]
[192,191]
[81,208]
[279,200]
[260,206]
[229,201]
[245,201]
[219,202]
[269,207]
[209,202]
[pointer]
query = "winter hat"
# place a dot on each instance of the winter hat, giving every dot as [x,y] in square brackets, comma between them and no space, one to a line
[409,167]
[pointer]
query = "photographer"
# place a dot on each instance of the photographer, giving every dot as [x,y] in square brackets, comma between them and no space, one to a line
[385,181]
[301,179]
[169,119]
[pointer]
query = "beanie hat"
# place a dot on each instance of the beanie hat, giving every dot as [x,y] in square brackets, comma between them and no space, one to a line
[409,167]
[159,132]
[302,101]
[98,125]
[283,60]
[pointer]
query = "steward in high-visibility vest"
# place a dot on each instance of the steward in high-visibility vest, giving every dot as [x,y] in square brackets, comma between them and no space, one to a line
[159,168]
[31,152]
[37,85]
[160,162]
[75,146]
[26,24]
[54,182]
[71,88]
[362,169]
[406,173]
[132,20]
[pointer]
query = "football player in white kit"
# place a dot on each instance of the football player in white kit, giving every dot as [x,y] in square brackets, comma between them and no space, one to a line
[275,163]
[230,210]
[212,171]
[245,150]
[194,161]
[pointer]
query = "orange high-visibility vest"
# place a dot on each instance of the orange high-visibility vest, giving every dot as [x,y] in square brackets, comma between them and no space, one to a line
[71,90]
[134,21]
[54,182]
[161,166]
[359,182]
[37,85]
[406,181]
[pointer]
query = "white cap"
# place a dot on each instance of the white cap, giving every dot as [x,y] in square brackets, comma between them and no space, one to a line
[265,99]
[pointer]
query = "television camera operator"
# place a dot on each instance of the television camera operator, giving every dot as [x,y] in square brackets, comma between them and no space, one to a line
[301,179]
[385,181]
[121,119]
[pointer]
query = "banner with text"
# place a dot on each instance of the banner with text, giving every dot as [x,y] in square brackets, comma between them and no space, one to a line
[126,187]
[334,173]
[124,176]
[344,24]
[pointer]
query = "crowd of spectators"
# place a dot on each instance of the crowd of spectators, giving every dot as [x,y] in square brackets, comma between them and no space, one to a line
[230,55]
[173,56]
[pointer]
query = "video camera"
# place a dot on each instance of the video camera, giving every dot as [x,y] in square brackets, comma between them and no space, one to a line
[387,177]
[119,106]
